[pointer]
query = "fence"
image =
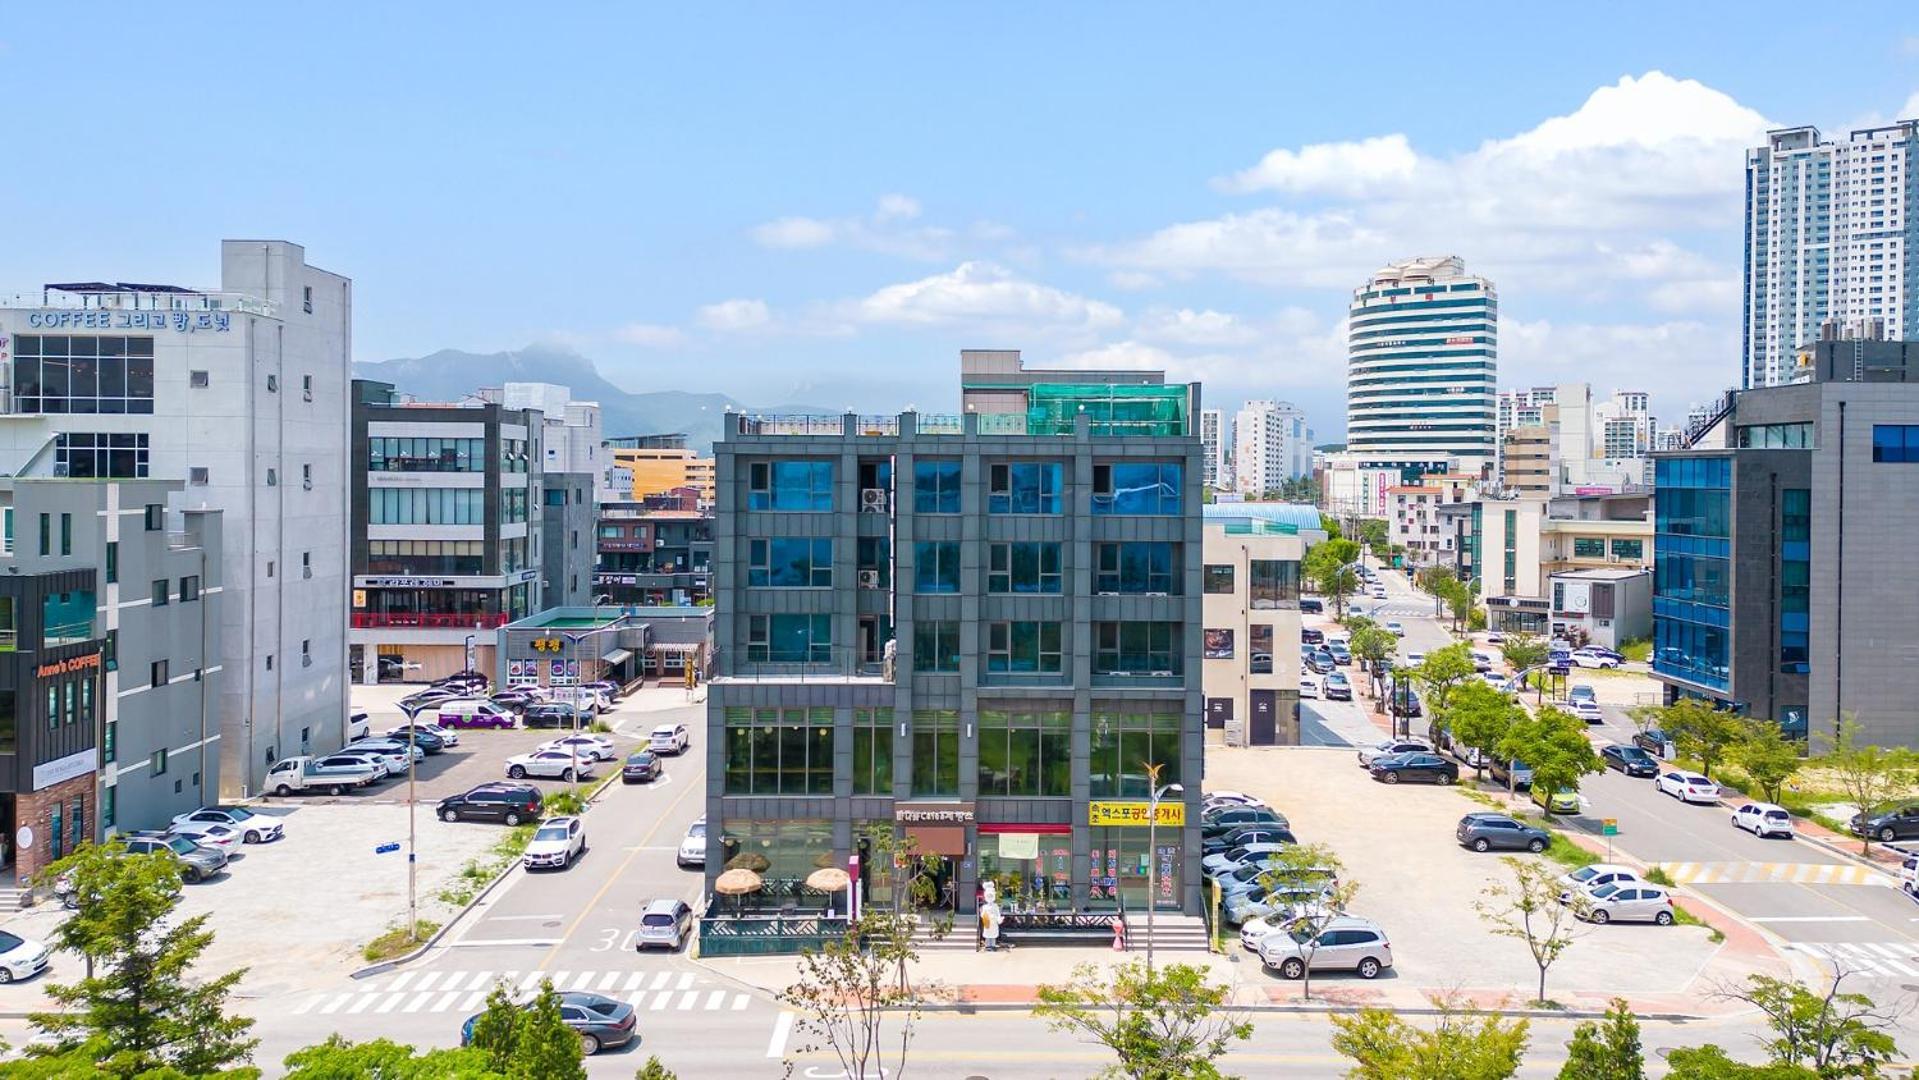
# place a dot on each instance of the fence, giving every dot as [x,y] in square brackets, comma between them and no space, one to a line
[760,935]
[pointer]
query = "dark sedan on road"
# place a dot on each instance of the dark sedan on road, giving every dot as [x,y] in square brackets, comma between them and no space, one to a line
[1424,767]
[1888,824]
[602,1022]
[551,714]
[1630,760]
[1487,831]
[1652,740]
[641,765]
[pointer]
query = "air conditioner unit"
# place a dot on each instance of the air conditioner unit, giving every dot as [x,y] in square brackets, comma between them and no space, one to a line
[869,579]
[1162,674]
[872,500]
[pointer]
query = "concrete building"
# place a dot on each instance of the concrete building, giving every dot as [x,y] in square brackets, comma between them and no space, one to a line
[1423,345]
[1528,461]
[1272,445]
[1558,441]
[1515,546]
[240,392]
[1601,607]
[661,463]
[649,553]
[567,646]
[448,522]
[1839,358]
[1348,488]
[1830,231]
[1216,442]
[1249,673]
[973,628]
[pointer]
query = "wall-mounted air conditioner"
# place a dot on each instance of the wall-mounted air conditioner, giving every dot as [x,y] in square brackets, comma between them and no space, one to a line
[869,579]
[872,500]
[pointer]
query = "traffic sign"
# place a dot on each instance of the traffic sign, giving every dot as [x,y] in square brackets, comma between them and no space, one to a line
[1609,826]
[386,848]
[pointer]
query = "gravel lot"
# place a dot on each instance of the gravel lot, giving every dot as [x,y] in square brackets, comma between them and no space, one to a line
[1420,885]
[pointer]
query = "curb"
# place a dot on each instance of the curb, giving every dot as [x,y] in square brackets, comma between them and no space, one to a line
[1327,1009]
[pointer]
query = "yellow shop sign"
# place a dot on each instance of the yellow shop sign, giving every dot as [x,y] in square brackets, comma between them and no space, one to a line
[1171,812]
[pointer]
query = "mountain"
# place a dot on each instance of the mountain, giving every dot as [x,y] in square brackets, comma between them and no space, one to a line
[449,375]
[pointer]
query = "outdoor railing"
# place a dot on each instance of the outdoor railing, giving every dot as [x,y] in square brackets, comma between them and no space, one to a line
[941,424]
[768,935]
[382,619]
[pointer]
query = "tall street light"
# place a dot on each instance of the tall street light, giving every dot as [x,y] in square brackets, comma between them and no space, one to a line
[566,660]
[1152,851]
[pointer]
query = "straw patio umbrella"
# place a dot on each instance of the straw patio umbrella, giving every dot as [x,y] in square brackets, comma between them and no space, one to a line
[737,882]
[829,880]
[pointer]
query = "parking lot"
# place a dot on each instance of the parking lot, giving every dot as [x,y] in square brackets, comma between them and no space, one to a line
[1417,883]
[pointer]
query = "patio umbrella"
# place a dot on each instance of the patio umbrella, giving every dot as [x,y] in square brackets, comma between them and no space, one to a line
[749,860]
[737,883]
[831,879]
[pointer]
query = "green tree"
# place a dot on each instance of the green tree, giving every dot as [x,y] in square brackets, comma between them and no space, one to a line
[1464,605]
[1441,673]
[383,1059]
[1833,1035]
[654,1069]
[1461,1045]
[1479,718]
[1700,731]
[1555,744]
[1172,1023]
[1709,1062]
[1768,757]
[1371,644]
[1330,526]
[1309,879]
[529,1041]
[140,1007]
[1328,565]
[1606,1049]
[1871,776]
[1523,651]
[1529,910]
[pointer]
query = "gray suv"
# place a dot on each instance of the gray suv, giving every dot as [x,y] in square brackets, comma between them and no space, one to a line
[1345,944]
[196,863]
[1486,832]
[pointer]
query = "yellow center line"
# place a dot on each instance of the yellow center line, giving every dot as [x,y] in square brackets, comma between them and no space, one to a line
[617,874]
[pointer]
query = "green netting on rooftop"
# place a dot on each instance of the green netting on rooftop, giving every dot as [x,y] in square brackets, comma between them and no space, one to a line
[1111,409]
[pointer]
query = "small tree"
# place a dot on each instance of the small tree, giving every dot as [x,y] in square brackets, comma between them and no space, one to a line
[1372,644]
[1523,651]
[849,995]
[1554,743]
[1329,566]
[1306,878]
[654,1069]
[1462,1045]
[1871,776]
[1833,1034]
[1768,757]
[1709,1062]
[530,1041]
[1529,910]
[139,1008]
[383,1059]
[1606,1049]
[1166,1024]
[1444,670]
[1700,731]
[1480,717]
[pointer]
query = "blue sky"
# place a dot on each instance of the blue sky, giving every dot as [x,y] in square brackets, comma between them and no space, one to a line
[787,205]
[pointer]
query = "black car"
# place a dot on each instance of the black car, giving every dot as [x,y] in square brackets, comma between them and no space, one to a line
[515,699]
[1630,760]
[640,765]
[1888,824]
[1248,834]
[552,714]
[1310,606]
[1418,768]
[508,803]
[1406,702]
[429,742]
[1652,740]
[467,678]
[427,699]
[1312,636]
[602,1021]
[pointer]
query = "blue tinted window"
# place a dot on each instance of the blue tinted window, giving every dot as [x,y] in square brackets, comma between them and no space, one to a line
[1148,487]
[790,562]
[790,484]
[936,566]
[1895,442]
[936,486]
[1025,487]
[1147,566]
[790,639]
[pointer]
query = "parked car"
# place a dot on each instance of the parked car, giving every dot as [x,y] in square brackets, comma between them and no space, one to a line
[554,714]
[664,923]
[1627,901]
[1309,686]
[398,751]
[1396,629]
[1224,862]
[1482,662]
[1517,773]
[357,724]
[641,766]
[1414,659]
[507,803]
[472,712]
[254,828]
[1688,787]
[552,764]
[21,958]
[601,1022]
[606,688]
[555,844]
[1231,817]
[517,698]
[221,838]
[1337,687]
[1484,831]
[1763,820]
[1344,943]
[1563,802]
[468,680]
[422,699]
[1630,760]
[1342,654]
[381,765]
[418,735]
[196,862]
[1586,710]
[1405,701]
[1310,606]
[1587,876]
[693,845]
[1239,798]
[1244,835]
[1582,692]
[1420,767]
[1367,754]
[669,739]
[303,773]
[584,698]
[1312,635]
[1494,637]
[589,746]
[1889,823]
[1653,741]
[1594,658]
[1321,662]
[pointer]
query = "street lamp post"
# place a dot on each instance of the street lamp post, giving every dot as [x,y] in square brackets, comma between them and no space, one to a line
[573,642]
[1152,851]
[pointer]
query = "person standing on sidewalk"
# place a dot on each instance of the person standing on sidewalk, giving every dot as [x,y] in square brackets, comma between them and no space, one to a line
[989,920]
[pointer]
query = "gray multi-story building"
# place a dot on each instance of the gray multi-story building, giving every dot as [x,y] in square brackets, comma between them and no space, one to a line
[1793,501]
[109,663]
[979,629]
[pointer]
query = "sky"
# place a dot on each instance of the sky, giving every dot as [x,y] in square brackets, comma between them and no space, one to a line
[822,204]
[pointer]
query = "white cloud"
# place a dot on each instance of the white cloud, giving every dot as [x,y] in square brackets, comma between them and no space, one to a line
[1345,168]
[985,293]
[794,232]
[1188,327]
[896,207]
[888,230]
[1271,246]
[649,335]
[1120,355]
[1678,362]
[735,316]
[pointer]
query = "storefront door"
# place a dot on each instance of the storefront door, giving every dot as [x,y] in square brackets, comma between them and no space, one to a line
[1121,876]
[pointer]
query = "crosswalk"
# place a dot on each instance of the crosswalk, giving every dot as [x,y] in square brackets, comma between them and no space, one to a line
[466,991]
[1731,873]
[1885,959]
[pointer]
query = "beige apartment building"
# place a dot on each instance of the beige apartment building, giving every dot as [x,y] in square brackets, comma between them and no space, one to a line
[1250,654]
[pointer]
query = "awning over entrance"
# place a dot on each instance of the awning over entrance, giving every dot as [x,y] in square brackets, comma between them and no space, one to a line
[674,648]
[939,839]
[617,657]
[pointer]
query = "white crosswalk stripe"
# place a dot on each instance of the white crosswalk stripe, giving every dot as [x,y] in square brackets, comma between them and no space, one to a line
[466,992]
[1884,959]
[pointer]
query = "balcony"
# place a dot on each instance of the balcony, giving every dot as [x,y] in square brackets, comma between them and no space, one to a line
[380,620]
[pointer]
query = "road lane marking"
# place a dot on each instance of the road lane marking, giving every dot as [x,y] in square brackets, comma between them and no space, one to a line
[611,978]
[427,980]
[404,978]
[523,918]
[686,981]
[1807,918]
[634,982]
[1751,873]
[365,1001]
[659,981]
[715,999]
[558,978]
[488,943]
[334,1005]
[584,982]
[687,999]
[741,1001]
[473,1001]
[446,1001]
[387,1005]
[661,1001]
[782,1027]
[419,1001]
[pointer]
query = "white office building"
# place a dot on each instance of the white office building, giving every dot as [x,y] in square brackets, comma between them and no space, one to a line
[1830,229]
[240,392]
[1271,445]
[1217,444]
[1422,348]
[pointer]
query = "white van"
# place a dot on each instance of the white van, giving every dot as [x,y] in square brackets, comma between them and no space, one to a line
[469,713]
[584,698]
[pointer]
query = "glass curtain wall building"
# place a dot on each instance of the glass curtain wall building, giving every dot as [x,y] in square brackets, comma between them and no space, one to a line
[1422,348]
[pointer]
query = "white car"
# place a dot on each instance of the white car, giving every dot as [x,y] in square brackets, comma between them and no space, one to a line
[1395,629]
[1763,819]
[1589,877]
[1593,658]
[400,750]
[253,828]
[552,764]
[1628,901]
[1688,787]
[1239,797]
[1496,681]
[591,747]
[354,759]
[1393,746]
[1586,710]
[693,846]
[555,844]
[222,838]
[20,958]
[1414,659]
[1308,686]
[669,739]
[393,755]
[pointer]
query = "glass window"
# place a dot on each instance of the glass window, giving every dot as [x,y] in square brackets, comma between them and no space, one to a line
[1125,738]
[1136,567]
[936,485]
[1024,487]
[1218,578]
[425,454]
[936,566]
[9,723]
[779,751]
[1796,436]
[1023,647]
[873,752]
[435,506]
[1137,648]
[1023,568]
[790,562]
[189,588]
[1273,583]
[935,645]
[1628,549]
[1137,487]
[1589,547]
[790,484]
[1026,751]
[935,752]
[57,373]
[91,455]
[67,618]
[875,556]
[1259,647]
[789,639]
